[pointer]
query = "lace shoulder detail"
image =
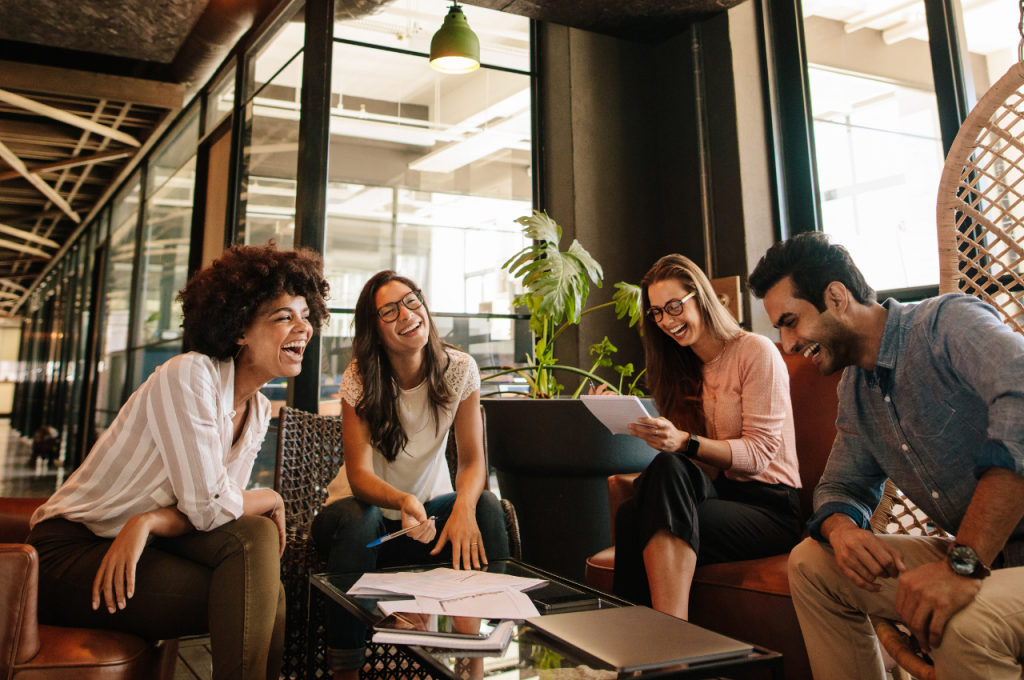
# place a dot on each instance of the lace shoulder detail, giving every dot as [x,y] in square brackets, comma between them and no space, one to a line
[351,389]
[462,376]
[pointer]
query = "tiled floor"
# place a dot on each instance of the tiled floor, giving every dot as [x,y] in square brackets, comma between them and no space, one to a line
[194,660]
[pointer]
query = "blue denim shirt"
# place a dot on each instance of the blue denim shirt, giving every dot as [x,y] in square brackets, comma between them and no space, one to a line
[944,404]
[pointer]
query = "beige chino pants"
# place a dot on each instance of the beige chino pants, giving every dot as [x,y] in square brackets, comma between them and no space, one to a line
[983,640]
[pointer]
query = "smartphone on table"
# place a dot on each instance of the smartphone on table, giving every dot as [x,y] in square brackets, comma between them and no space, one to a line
[434,625]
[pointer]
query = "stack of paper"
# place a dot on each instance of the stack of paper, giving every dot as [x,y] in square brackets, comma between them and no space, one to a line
[455,593]
[497,640]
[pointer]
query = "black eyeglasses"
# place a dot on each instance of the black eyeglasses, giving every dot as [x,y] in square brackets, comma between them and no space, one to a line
[389,312]
[674,308]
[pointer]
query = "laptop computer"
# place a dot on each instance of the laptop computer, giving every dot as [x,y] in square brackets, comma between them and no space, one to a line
[633,639]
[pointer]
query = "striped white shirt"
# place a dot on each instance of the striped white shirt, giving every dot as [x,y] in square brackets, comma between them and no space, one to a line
[170,445]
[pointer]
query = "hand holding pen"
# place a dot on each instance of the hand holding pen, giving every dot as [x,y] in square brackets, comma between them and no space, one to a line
[414,515]
[395,534]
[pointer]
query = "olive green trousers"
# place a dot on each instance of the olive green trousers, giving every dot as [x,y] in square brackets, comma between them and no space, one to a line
[225,582]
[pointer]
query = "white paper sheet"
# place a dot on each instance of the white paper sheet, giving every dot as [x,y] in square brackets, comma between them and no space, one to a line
[503,604]
[616,412]
[439,584]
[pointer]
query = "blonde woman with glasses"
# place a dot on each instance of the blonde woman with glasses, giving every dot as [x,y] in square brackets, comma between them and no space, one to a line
[724,487]
[402,393]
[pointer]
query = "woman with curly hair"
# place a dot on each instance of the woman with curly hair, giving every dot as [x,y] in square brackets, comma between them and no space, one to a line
[401,394]
[156,534]
[724,487]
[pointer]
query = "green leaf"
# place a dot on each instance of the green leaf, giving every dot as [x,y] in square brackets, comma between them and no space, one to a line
[540,227]
[625,371]
[628,300]
[603,347]
[588,263]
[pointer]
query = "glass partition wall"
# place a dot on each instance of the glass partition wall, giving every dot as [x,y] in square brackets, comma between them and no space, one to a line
[427,172]
[878,143]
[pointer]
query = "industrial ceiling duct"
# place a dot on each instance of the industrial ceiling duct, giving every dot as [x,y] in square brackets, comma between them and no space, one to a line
[220,26]
[346,10]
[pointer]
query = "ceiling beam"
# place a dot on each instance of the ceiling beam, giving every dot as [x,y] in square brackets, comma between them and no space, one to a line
[28,236]
[48,191]
[71,163]
[65,117]
[11,245]
[62,81]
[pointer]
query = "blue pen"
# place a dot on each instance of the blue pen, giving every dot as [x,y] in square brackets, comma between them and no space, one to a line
[396,534]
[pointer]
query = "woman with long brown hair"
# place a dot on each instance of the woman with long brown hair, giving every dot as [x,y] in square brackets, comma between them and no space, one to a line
[401,394]
[724,486]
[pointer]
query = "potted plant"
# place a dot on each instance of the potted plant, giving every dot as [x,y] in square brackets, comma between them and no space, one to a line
[557,286]
[551,455]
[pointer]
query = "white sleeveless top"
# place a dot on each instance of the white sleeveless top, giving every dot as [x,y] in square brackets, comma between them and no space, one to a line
[421,468]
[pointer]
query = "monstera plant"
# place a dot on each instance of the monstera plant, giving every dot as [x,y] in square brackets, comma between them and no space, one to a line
[557,285]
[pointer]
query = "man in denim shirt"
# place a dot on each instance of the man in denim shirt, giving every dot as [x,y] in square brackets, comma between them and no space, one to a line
[933,398]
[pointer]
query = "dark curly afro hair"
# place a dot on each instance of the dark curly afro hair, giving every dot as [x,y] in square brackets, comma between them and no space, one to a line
[220,302]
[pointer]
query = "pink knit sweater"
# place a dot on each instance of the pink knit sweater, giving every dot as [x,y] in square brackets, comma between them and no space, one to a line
[746,402]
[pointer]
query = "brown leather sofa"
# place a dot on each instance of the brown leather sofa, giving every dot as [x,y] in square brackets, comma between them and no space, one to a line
[30,651]
[750,600]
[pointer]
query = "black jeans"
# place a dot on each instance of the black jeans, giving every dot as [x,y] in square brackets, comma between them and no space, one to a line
[342,530]
[722,520]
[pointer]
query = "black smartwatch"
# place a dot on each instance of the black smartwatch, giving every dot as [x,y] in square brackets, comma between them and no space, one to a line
[965,562]
[692,447]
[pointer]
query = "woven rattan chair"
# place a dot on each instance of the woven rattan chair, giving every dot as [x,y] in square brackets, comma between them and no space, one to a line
[980,212]
[309,453]
[896,514]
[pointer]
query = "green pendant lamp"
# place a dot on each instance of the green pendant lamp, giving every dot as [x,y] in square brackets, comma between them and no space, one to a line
[455,47]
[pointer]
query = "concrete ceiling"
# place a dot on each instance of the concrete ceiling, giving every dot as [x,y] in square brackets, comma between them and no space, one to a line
[642,20]
[146,30]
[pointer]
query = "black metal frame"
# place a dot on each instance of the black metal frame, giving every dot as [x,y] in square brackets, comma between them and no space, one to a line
[792,120]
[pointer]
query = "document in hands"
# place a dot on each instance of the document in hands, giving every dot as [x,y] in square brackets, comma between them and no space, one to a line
[455,593]
[616,412]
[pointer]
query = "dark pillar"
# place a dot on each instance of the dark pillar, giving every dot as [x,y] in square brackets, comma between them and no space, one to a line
[311,189]
[790,91]
[954,83]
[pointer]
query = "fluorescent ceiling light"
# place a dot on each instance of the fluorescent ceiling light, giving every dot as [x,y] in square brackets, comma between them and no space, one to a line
[508,134]
[384,132]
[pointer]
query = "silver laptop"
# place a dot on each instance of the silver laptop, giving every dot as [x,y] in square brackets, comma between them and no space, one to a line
[633,639]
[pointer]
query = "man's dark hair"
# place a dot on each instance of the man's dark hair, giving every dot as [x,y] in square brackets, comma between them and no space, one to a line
[812,261]
[220,302]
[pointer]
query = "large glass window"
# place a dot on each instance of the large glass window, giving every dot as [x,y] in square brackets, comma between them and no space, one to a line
[428,172]
[271,142]
[876,133]
[119,259]
[165,241]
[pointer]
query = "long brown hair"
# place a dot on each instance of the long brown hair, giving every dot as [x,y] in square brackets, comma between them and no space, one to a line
[674,373]
[378,405]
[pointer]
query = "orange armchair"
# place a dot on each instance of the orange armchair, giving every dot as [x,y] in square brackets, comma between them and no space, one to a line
[750,600]
[30,651]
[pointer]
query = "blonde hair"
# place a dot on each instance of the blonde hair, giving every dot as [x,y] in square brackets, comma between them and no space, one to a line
[674,373]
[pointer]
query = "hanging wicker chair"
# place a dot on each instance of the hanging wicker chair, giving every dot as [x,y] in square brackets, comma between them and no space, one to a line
[980,221]
[980,212]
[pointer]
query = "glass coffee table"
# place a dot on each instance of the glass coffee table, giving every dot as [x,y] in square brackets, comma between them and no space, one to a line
[530,651]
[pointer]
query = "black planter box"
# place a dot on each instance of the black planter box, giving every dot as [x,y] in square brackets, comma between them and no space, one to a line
[553,459]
